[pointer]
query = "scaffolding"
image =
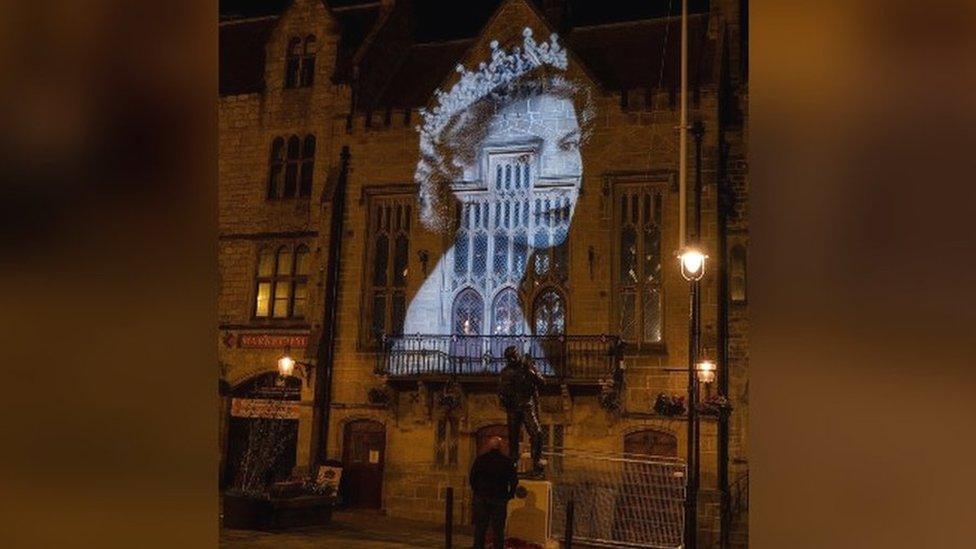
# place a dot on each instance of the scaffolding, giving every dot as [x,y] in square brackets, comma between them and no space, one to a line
[620,500]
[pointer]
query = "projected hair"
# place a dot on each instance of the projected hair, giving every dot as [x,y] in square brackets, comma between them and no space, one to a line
[445,155]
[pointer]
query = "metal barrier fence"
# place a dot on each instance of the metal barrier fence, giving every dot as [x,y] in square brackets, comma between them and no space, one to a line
[573,357]
[619,500]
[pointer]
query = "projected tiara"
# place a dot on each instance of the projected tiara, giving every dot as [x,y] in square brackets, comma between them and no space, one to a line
[503,68]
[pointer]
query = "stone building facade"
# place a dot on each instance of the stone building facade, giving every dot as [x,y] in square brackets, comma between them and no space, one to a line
[299,86]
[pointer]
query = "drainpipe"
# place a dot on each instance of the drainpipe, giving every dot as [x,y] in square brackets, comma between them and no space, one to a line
[325,354]
[722,360]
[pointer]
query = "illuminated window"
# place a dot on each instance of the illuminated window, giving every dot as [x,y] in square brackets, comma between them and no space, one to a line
[468,311]
[506,314]
[446,442]
[387,265]
[282,283]
[291,167]
[737,275]
[637,276]
[496,225]
[549,313]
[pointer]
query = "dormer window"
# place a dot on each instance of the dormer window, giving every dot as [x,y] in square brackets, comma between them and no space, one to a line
[300,62]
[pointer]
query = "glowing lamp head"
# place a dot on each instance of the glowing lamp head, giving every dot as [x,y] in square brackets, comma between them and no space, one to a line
[706,371]
[286,365]
[692,263]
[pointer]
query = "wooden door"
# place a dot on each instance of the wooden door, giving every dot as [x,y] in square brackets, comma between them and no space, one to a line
[652,443]
[363,456]
[492,431]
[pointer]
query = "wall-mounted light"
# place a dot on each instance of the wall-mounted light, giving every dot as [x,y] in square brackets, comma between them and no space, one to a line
[692,263]
[287,366]
[705,370]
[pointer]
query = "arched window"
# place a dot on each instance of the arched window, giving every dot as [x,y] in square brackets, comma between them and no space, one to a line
[282,282]
[276,165]
[389,254]
[737,275]
[468,312]
[293,59]
[291,168]
[308,61]
[637,280]
[308,166]
[506,313]
[549,313]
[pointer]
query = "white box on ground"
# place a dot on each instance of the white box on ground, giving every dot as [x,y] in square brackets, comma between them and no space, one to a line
[529,517]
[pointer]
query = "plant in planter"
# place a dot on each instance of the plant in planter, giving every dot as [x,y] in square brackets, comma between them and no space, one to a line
[450,398]
[379,396]
[669,405]
[609,395]
[715,405]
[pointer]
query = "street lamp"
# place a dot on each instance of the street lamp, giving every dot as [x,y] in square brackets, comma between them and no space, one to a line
[692,264]
[287,366]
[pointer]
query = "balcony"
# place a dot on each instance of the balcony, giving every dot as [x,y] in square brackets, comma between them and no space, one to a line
[570,359]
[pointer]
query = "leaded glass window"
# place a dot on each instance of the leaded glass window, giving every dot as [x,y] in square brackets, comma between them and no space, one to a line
[549,313]
[638,303]
[469,310]
[506,313]
[508,230]
[282,282]
[388,266]
[291,167]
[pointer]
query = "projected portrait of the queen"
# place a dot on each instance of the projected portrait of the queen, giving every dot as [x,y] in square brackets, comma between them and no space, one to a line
[500,169]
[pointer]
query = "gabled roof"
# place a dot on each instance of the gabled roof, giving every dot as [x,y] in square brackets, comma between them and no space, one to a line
[619,55]
[422,70]
[241,51]
[629,55]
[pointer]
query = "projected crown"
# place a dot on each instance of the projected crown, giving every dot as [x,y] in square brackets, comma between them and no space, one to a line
[504,67]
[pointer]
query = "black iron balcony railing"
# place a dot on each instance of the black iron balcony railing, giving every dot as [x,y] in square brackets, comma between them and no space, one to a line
[587,358]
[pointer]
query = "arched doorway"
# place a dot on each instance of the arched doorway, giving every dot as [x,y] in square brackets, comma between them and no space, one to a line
[485,433]
[363,456]
[652,443]
[262,432]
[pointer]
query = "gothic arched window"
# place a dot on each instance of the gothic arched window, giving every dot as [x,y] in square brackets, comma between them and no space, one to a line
[506,314]
[276,166]
[469,310]
[549,313]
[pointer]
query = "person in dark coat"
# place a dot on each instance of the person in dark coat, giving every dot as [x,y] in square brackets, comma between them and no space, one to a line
[493,480]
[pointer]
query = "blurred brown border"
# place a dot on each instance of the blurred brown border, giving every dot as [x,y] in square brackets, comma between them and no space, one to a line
[861,298]
[861,163]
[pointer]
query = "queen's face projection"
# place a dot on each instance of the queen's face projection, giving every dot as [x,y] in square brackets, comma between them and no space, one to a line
[500,170]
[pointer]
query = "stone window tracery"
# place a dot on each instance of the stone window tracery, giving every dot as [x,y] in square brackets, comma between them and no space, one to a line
[496,224]
[389,222]
[638,316]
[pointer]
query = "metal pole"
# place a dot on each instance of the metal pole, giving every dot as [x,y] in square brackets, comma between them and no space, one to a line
[570,512]
[682,129]
[691,503]
[448,517]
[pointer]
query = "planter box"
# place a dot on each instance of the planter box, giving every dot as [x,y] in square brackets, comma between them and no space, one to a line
[269,514]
